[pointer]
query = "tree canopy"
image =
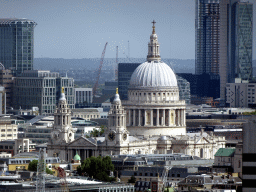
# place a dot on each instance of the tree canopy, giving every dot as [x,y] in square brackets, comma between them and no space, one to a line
[32,166]
[97,167]
[97,133]
[132,180]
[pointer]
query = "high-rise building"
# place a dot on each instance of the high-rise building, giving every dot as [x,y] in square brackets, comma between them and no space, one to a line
[17,44]
[235,42]
[125,71]
[6,80]
[42,89]
[207,36]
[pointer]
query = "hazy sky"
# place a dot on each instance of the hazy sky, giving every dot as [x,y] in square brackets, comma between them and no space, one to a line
[80,28]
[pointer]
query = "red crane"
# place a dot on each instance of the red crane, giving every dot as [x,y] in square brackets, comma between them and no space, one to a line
[99,70]
[62,175]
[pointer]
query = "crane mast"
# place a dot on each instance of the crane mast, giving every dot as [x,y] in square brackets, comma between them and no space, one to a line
[99,70]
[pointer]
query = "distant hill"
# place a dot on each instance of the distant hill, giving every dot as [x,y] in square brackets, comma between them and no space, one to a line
[53,64]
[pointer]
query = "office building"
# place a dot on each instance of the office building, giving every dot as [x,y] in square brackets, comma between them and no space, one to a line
[125,71]
[17,44]
[204,85]
[42,89]
[2,101]
[235,43]
[110,88]
[6,80]
[241,94]
[83,97]
[248,156]
[207,36]
[9,131]
[184,89]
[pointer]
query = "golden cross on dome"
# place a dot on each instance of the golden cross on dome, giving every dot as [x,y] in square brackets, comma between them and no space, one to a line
[62,90]
[116,90]
[153,32]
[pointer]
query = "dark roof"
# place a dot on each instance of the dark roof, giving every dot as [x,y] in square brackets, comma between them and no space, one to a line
[103,98]
[84,110]
[230,135]
[225,152]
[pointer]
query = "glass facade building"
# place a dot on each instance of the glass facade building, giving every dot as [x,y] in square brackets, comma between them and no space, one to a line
[125,71]
[42,89]
[17,44]
[241,40]
[207,36]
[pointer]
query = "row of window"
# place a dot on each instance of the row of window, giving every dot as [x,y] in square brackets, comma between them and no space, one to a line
[8,130]
[156,174]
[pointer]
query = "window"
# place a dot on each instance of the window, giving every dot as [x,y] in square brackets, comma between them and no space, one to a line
[2,130]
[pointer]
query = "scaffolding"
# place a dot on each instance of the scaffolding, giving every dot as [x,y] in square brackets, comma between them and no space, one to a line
[41,167]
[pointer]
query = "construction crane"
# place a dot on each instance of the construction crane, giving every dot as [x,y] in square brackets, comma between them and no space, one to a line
[99,70]
[164,177]
[63,181]
[41,169]
[116,68]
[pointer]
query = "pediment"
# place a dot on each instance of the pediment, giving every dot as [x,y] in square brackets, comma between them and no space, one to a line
[202,140]
[82,142]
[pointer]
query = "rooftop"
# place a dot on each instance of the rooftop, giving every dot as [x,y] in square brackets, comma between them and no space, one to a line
[225,152]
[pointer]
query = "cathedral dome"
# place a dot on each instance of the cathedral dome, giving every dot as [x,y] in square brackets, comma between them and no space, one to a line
[154,74]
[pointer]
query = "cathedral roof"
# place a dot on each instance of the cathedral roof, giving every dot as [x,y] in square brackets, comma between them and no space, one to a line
[153,73]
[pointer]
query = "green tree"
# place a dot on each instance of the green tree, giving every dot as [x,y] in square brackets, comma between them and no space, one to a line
[132,180]
[32,166]
[97,133]
[97,167]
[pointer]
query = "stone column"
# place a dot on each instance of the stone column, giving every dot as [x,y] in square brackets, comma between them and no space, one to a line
[130,116]
[151,117]
[163,123]
[134,123]
[157,117]
[139,124]
[145,117]
[184,118]
[169,117]
[178,117]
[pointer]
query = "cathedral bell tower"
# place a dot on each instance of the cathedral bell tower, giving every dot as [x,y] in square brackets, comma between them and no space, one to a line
[62,128]
[117,133]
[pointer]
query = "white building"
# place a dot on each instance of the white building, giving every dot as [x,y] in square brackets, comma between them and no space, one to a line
[152,121]
[86,113]
[83,96]
[241,94]
[8,131]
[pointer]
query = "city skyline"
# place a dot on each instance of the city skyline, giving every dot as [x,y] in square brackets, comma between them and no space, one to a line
[80,29]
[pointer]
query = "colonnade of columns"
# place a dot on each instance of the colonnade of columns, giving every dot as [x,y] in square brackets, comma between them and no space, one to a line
[150,97]
[83,153]
[156,117]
